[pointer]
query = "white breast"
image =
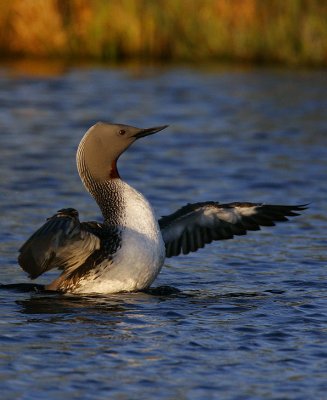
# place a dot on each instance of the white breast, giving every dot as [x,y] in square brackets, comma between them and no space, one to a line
[139,260]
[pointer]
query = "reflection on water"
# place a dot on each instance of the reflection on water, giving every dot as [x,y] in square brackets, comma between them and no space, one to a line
[239,319]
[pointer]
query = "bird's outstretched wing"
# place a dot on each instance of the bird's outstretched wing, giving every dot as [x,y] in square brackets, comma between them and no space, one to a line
[195,225]
[63,242]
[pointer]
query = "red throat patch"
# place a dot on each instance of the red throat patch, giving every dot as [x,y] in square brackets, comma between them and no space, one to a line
[113,174]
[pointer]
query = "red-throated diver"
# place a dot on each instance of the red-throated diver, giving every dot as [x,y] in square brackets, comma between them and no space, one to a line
[127,250]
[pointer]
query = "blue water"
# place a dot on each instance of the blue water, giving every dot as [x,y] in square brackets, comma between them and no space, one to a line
[240,319]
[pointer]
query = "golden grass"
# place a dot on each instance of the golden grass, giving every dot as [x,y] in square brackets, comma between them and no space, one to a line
[283,31]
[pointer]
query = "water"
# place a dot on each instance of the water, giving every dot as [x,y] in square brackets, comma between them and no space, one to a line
[241,319]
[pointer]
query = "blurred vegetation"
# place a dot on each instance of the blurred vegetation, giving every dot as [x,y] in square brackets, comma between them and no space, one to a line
[290,32]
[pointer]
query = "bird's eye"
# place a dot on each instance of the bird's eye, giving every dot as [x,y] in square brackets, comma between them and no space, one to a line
[122,132]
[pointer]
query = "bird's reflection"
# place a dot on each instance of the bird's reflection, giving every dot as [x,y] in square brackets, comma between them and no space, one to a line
[58,306]
[49,306]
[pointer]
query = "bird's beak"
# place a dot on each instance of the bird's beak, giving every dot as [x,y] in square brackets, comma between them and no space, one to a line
[149,131]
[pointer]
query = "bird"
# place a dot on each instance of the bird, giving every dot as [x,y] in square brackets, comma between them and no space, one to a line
[126,251]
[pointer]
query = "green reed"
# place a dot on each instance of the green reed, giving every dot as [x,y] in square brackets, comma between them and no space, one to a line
[290,32]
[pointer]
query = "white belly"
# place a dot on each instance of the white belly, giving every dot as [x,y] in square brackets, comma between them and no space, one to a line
[139,260]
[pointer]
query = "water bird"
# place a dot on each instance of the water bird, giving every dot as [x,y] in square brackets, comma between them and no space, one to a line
[127,250]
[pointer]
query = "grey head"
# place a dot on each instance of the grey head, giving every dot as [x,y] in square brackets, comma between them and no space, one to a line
[102,145]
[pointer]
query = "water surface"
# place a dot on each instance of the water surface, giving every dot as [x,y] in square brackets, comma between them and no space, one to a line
[240,319]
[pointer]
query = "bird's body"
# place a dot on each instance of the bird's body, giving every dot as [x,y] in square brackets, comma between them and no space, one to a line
[140,255]
[126,251]
[135,251]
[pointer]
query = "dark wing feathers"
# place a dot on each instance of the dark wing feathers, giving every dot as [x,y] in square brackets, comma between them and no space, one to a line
[195,225]
[62,242]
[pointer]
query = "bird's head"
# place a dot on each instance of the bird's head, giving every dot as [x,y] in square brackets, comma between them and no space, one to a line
[102,145]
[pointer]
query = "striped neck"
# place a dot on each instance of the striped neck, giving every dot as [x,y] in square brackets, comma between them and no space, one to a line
[109,197]
[102,181]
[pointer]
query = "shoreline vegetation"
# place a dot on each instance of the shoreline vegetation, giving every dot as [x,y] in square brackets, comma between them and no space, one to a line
[291,33]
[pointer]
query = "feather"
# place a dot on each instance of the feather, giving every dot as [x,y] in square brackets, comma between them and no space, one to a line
[195,225]
[65,243]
